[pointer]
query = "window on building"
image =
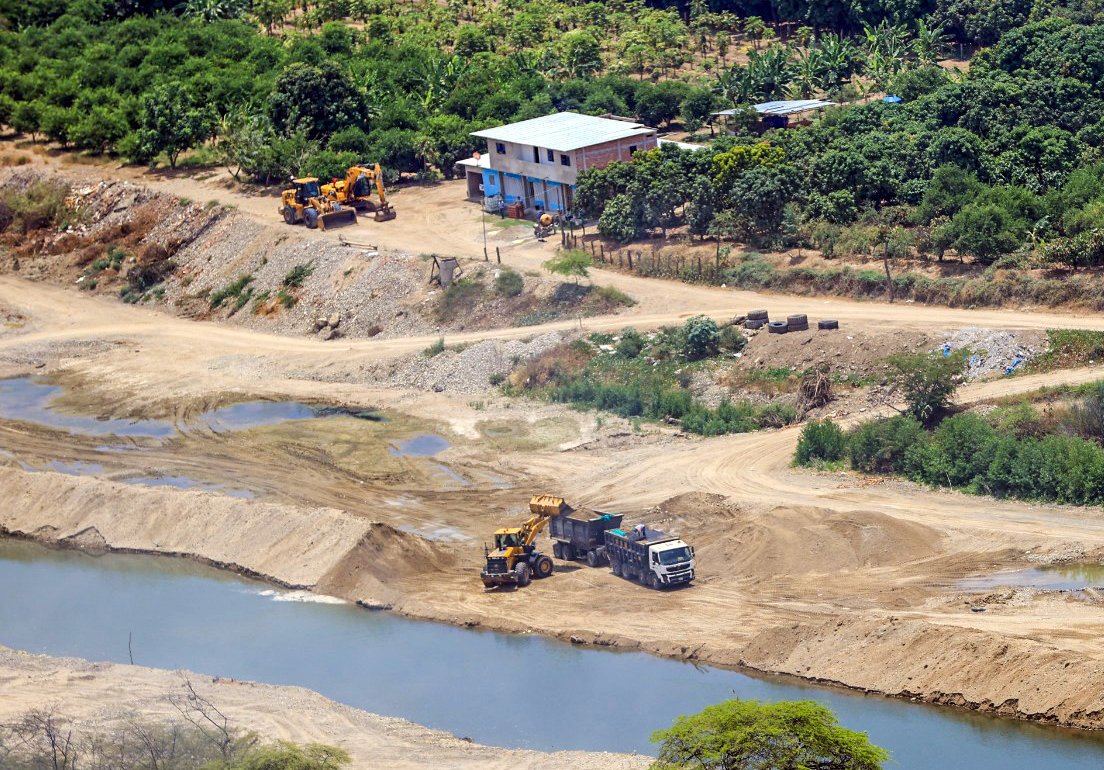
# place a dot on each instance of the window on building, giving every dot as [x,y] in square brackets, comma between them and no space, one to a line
[632,149]
[536,155]
[551,157]
[500,148]
[565,160]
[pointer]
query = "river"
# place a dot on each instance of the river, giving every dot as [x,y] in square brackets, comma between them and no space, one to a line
[498,689]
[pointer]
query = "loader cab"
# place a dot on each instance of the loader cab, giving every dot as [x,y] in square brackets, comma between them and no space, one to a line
[305,189]
[507,538]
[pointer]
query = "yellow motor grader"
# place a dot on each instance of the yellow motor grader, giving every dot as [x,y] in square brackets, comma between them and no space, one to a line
[304,202]
[515,559]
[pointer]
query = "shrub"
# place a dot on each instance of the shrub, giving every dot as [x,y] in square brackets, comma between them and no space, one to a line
[509,283]
[928,380]
[436,348]
[886,446]
[631,343]
[822,441]
[234,290]
[732,339]
[295,277]
[702,337]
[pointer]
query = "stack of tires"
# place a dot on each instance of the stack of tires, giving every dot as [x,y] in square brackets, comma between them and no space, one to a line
[756,319]
[797,323]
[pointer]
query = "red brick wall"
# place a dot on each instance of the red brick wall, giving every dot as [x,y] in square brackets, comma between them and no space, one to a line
[601,155]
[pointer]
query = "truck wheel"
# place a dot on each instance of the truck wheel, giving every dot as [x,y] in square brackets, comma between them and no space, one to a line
[615,567]
[592,559]
[289,215]
[521,571]
[653,580]
[557,550]
[569,552]
[543,567]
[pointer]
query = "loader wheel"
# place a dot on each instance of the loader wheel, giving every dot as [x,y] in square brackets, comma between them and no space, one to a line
[522,573]
[557,550]
[543,567]
[592,559]
[310,217]
[289,215]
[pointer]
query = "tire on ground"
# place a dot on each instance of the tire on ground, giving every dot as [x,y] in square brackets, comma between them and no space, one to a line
[777,327]
[828,324]
[798,322]
[758,315]
[754,324]
[521,572]
[543,567]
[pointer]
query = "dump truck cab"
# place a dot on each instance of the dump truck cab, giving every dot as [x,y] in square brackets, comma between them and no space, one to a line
[654,558]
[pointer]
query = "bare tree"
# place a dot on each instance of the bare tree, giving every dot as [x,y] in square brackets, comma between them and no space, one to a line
[205,717]
[45,735]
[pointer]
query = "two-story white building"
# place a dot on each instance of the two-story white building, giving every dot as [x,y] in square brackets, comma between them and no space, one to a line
[536,162]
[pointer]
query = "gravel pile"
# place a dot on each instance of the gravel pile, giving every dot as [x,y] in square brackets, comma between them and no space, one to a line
[995,352]
[470,369]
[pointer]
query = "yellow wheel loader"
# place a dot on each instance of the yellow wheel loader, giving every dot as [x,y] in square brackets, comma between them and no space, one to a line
[356,190]
[304,202]
[515,559]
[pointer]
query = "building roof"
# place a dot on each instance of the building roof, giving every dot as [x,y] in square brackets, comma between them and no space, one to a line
[788,107]
[681,145]
[483,161]
[564,131]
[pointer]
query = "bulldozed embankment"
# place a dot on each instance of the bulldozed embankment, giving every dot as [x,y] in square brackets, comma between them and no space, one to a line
[861,647]
[97,696]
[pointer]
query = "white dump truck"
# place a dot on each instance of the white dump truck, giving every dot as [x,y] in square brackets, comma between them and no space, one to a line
[652,557]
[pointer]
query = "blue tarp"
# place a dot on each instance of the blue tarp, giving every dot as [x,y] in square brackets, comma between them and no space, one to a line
[891,99]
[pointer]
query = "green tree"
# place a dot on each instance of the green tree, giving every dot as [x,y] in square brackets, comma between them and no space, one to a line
[696,108]
[928,381]
[318,99]
[750,735]
[171,121]
[574,264]
[290,756]
[620,219]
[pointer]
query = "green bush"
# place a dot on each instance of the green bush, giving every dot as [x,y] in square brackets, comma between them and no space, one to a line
[886,446]
[295,277]
[233,290]
[702,336]
[822,441]
[509,283]
[435,349]
[631,343]
[928,380]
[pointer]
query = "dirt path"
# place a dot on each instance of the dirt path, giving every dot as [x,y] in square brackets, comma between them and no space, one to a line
[96,695]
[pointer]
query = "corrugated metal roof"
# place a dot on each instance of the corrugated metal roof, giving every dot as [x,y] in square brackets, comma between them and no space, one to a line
[785,107]
[564,131]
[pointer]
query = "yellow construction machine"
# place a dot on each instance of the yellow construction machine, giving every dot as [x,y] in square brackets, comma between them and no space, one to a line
[304,202]
[515,558]
[356,190]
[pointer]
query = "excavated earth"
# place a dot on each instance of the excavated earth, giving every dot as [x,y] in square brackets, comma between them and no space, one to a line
[830,577]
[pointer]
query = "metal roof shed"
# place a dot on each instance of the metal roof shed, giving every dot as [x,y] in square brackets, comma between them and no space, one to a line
[564,131]
[787,107]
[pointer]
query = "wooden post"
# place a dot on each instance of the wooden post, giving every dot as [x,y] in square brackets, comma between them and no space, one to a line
[630,258]
[602,252]
[498,255]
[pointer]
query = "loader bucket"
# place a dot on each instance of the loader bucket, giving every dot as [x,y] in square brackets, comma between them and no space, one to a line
[338,218]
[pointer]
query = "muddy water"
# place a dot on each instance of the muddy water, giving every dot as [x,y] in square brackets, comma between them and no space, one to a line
[1051,577]
[494,688]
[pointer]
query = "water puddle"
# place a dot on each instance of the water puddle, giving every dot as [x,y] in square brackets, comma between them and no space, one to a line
[74,468]
[447,477]
[185,482]
[440,534]
[28,399]
[422,445]
[1050,577]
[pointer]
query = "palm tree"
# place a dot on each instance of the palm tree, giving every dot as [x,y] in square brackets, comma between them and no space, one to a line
[808,73]
[770,72]
[839,56]
[213,10]
[734,85]
[930,43]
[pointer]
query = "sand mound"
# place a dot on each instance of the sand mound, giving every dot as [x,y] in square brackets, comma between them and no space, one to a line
[383,558]
[809,540]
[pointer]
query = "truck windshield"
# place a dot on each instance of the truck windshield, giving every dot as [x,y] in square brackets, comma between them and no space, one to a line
[674,555]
